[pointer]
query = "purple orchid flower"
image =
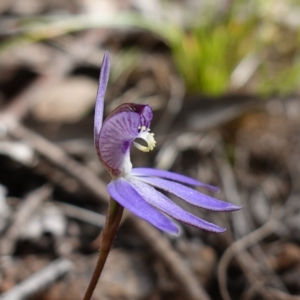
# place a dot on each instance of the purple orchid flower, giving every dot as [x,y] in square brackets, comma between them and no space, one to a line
[134,188]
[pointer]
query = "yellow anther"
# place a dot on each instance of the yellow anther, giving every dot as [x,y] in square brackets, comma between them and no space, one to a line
[148,138]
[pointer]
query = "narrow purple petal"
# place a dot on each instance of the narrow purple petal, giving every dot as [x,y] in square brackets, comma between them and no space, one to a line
[172,176]
[189,195]
[103,80]
[165,205]
[122,191]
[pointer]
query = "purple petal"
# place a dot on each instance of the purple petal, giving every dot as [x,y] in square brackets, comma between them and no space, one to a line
[189,195]
[165,205]
[119,130]
[116,136]
[172,176]
[103,80]
[144,111]
[146,114]
[122,191]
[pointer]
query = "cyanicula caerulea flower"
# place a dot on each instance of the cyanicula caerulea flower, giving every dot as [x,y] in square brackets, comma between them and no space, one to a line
[134,188]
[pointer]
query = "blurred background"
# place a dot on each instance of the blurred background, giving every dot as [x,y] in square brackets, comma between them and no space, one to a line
[222,77]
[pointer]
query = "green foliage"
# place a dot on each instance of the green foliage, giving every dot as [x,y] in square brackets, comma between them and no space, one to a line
[206,55]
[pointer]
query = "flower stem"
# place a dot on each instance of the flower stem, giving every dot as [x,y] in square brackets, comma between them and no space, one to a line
[113,218]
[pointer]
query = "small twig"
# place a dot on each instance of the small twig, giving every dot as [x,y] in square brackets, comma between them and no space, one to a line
[239,246]
[39,280]
[27,208]
[163,249]
[82,214]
